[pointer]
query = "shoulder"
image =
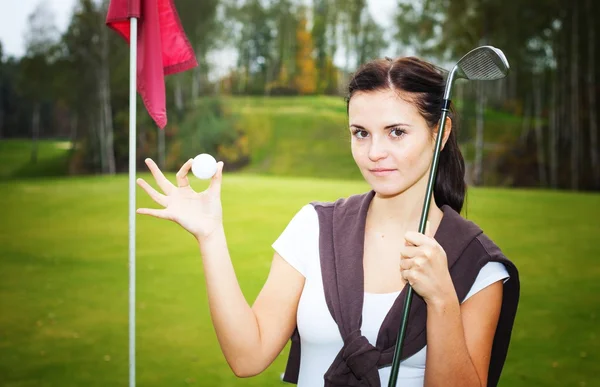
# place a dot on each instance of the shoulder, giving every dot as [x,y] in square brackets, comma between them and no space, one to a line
[343,206]
[341,202]
[471,253]
[298,243]
[484,250]
[490,272]
[316,210]
[304,217]
[465,239]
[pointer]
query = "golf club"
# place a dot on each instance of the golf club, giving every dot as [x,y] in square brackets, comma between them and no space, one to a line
[483,63]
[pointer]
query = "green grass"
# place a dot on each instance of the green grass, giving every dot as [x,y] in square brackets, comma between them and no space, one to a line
[64,252]
[308,136]
[64,272]
[287,136]
[296,136]
[15,158]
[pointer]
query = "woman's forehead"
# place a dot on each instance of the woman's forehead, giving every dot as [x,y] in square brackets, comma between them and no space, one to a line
[381,107]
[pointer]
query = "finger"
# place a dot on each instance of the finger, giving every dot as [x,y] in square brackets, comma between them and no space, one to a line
[154,194]
[406,264]
[162,214]
[161,180]
[428,229]
[409,276]
[417,239]
[417,252]
[181,176]
[217,179]
[408,252]
[413,263]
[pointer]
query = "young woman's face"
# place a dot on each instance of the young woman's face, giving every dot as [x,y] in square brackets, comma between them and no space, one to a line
[391,142]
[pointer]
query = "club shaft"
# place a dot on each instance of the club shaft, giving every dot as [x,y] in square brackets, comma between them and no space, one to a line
[422,224]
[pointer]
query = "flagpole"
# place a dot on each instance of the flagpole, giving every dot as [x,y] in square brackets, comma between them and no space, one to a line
[132,188]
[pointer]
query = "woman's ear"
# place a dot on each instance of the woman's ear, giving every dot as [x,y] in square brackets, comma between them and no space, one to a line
[447,131]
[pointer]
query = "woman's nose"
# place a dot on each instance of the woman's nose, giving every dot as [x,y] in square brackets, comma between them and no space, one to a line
[378,149]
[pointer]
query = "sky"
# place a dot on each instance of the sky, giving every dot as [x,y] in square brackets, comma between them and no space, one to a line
[14,14]
[13,21]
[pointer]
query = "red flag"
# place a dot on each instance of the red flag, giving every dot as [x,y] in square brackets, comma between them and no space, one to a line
[163,48]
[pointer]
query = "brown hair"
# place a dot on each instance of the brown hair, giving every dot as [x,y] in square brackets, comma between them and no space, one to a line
[424,85]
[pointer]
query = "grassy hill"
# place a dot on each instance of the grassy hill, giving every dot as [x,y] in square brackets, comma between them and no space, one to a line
[296,136]
[308,136]
[15,158]
[287,136]
[64,272]
[64,252]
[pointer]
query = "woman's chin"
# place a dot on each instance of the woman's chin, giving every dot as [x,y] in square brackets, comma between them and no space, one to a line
[387,189]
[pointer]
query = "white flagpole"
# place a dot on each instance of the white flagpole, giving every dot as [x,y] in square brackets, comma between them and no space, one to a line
[132,188]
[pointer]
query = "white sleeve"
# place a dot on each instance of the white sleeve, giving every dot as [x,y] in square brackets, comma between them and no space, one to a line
[299,239]
[491,272]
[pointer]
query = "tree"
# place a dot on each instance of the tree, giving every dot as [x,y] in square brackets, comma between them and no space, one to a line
[538,85]
[103,74]
[90,52]
[370,41]
[575,147]
[592,90]
[546,42]
[321,10]
[40,38]
[305,79]
[2,88]
[479,144]
[199,20]
[255,43]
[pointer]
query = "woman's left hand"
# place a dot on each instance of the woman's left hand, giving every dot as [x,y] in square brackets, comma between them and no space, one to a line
[425,266]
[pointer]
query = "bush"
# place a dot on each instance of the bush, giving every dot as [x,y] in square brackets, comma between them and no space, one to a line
[211,128]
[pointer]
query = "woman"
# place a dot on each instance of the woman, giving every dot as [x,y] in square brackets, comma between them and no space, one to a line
[339,269]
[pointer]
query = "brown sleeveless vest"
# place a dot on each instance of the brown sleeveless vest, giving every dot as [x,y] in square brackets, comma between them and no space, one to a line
[341,244]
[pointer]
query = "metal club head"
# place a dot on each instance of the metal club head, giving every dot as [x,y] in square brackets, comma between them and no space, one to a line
[484,63]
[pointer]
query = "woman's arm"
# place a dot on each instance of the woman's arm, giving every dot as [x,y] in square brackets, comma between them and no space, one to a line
[460,337]
[250,337]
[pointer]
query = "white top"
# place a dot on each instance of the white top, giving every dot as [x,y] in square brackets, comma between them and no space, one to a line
[319,335]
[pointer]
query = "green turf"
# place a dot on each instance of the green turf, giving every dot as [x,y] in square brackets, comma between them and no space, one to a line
[296,136]
[63,261]
[309,136]
[287,136]
[63,281]
[15,158]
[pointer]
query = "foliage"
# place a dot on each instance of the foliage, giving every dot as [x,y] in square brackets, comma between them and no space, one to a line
[209,128]
[201,23]
[292,47]
[286,136]
[15,162]
[305,79]
[550,51]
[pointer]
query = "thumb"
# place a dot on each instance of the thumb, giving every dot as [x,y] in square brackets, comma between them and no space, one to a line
[215,182]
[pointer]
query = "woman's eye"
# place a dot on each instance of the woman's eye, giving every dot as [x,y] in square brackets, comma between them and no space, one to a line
[397,132]
[359,133]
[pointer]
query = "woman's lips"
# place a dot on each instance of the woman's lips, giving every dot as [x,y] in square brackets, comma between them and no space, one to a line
[381,171]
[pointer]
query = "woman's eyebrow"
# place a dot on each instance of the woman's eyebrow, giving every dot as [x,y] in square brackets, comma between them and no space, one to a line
[386,127]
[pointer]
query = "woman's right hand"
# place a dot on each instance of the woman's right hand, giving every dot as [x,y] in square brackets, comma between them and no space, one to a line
[200,213]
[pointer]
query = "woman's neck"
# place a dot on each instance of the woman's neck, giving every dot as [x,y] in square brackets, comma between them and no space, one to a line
[403,211]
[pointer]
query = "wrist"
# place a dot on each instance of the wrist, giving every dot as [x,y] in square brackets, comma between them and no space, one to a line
[205,239]
[443,301]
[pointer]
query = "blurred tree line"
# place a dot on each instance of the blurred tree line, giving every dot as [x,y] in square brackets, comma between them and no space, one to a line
[74,85]
[552,48]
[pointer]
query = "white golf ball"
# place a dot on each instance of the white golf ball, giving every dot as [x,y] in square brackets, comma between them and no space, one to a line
[204,166]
